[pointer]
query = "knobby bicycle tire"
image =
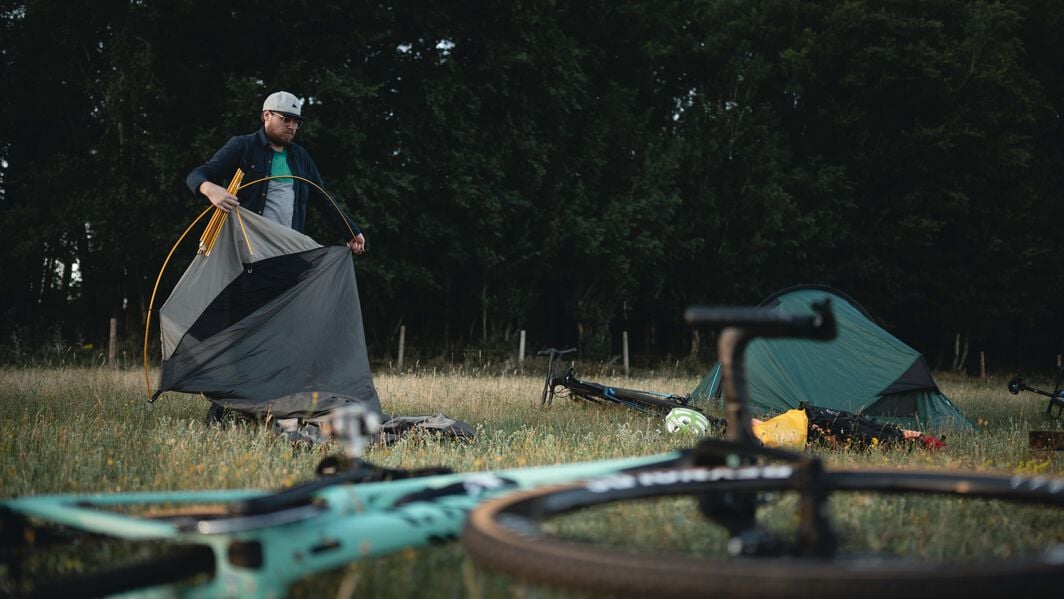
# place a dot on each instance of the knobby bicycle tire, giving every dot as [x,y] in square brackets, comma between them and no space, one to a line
[504,534]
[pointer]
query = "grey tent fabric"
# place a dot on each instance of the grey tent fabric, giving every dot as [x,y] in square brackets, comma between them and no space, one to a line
[310,406]
[269,323]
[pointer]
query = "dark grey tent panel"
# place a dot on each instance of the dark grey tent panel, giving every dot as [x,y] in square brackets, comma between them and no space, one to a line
[268,323]
[864,370]
[309,405]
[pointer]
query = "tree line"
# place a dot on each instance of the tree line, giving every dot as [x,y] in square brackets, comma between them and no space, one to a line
[570,168]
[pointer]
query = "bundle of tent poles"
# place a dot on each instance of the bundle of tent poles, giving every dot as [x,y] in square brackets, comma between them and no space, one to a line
[214,226]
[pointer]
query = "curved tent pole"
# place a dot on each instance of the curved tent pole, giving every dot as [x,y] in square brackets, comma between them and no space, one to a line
[315,186]
[151,303]
[236,178]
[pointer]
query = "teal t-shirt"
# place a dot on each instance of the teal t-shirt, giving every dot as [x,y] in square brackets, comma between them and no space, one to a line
[280,194]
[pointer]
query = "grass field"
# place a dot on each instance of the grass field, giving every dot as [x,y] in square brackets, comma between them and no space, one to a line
[72,430]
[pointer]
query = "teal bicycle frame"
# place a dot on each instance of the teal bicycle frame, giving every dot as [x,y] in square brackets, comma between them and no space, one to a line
[261,554]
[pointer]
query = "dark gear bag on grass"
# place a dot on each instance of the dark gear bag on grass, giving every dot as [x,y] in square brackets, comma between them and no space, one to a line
[837,428]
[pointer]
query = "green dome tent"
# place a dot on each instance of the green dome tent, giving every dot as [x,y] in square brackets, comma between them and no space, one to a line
[864,370]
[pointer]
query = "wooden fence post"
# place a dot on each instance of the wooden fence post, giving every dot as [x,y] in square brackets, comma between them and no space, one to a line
[402,346]
[112,344]
[521,353]
[624,350]
[982,365]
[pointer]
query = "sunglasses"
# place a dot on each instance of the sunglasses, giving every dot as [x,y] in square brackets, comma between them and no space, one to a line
[287,119]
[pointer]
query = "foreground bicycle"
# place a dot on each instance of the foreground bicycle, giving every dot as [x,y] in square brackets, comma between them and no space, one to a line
[788,550]
[252,543]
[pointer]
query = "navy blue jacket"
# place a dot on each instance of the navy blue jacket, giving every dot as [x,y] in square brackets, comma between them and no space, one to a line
[252,154]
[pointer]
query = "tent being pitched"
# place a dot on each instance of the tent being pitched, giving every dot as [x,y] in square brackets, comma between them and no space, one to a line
[269,322]
[864,370]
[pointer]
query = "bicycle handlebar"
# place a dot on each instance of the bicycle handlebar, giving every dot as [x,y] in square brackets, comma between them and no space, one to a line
[765,322]
[553,359]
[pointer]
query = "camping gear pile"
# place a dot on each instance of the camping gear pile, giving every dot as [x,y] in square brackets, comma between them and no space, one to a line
[837,429]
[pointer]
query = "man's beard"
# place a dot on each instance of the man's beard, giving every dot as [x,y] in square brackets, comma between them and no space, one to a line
[277,141]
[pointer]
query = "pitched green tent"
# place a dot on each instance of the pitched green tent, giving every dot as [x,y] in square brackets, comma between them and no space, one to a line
[864,370]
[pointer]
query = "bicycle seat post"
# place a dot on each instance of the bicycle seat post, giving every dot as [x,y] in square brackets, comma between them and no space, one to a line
[730,346]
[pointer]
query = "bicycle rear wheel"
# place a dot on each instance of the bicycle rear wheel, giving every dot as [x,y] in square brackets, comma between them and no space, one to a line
[509,535]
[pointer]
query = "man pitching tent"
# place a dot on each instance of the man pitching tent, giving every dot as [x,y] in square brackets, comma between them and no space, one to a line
[266,320]
[864,370]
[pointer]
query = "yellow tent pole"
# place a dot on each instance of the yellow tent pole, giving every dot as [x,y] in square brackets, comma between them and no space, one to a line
[207,239]
[210,235]
[151,303]
[247,240]
[312,184]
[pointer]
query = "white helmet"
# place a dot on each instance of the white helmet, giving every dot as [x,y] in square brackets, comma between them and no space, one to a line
[686,420]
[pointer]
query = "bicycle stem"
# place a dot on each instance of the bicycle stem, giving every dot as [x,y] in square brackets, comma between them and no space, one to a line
[731,346]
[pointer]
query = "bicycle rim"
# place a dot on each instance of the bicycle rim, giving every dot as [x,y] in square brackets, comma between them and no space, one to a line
[506,535]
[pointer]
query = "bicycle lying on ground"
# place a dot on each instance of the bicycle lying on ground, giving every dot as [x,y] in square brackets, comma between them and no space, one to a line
[254,543]
[597,393]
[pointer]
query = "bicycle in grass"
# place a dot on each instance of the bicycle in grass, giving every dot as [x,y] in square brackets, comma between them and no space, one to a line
[597,393]
[1056,396]
[254,543]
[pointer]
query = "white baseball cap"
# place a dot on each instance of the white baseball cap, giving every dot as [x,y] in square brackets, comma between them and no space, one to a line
[285,103]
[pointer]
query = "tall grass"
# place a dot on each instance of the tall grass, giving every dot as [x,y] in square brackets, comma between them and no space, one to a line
[91,429]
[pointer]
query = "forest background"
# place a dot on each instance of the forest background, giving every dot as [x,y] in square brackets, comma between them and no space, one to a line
[573,169]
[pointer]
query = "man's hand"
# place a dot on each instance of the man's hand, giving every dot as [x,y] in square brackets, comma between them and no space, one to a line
[358,244]
[219,197]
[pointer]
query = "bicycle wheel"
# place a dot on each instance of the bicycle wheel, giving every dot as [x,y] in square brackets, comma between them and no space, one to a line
[509,535]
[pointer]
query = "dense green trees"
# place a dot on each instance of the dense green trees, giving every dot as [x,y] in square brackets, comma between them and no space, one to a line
[569,168]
